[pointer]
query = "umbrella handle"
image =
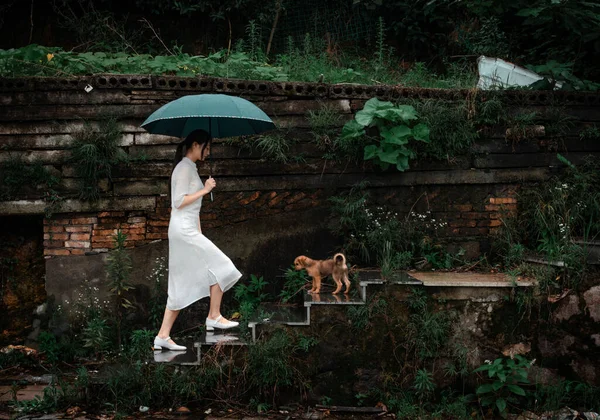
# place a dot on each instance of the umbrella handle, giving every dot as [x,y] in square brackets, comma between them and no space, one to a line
[211,197]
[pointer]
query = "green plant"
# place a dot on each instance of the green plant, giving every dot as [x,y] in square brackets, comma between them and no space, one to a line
[390,261]
[138,345]
[95,335]
[324,123]
[360,316]
[590,133]
[250,296]
[505,379]
[305,343]
[119,272]
[452,130]
[49,346]
[94,155]
[158,279]
[560,74]
[427,330]
[395,125]
[17,176]
[423,383]
[275,146]
[295,282]
[272,364]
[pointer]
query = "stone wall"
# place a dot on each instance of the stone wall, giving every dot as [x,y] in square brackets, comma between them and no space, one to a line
[38,117]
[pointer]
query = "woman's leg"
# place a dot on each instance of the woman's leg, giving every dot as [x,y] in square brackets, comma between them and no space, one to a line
[216,296]
[167,323]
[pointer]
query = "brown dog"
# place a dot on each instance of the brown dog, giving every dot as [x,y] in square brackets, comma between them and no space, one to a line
[318,269]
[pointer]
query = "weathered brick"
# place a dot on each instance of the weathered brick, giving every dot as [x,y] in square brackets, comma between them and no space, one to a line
[80,236]
[278,198]
[157,236]
[461,207]
[157,229]
[104,232]
[103,245]
[495,223]
[84,221]
[78,251]
[208,216]
[473,231]
[136,226]
[53,244]
[250,199]
[77,244]
[136,237]
[56,236]
[503,200]
[500,207]
[462,223]
[137,231]
[111,214]
[55,222]
[162,222]
[54,229]
[104,226]
[86,228]
[57,252]
[108,220]
[136,220]
[296,198]
[475,215]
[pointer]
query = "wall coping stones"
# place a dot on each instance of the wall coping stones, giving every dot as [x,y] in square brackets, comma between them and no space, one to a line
[285,89]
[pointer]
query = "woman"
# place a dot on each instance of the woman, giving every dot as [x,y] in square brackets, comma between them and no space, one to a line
[197,268]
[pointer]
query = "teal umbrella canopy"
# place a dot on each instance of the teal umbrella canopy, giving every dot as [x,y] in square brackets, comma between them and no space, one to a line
[220,115]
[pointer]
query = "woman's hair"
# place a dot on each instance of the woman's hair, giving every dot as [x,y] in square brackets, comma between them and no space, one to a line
[197,136]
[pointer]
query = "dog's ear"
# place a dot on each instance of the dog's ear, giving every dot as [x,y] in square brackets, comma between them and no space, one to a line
[301,259]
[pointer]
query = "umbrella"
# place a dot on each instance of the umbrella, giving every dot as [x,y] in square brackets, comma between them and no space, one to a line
[220,115]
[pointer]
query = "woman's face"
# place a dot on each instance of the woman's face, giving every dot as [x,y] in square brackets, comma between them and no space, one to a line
[199,154]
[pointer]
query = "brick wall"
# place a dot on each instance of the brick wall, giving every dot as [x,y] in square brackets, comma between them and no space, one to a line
[38,118]
[87,233]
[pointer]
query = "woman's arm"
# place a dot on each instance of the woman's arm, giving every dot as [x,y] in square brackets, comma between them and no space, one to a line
[181,182]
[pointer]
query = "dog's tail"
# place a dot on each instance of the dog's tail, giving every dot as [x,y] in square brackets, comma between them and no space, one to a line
[339,259]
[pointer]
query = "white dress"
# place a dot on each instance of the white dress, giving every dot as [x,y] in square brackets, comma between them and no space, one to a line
[195,263]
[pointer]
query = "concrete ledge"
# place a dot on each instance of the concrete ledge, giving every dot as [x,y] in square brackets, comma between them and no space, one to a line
[21,207]
[449,279]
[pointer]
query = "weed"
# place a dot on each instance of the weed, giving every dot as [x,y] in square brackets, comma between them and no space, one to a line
[506,377]
[451,129]
[295,282]
[324,123]
[119,272]
[423,383]
[158,279]
[250,296]
[95,335]
[275,146]
[360,316]
[138,344]
[94,154]
[590,133]
[427,330]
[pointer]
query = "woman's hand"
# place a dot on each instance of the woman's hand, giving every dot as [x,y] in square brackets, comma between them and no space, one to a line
[210,184]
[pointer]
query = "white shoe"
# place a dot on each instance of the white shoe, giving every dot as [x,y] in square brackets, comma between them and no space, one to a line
[163,343]
[211,324]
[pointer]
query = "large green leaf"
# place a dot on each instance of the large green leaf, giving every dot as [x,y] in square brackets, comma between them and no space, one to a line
[365,116]
[352,129]
[421,132]
[484,389]
[403,113]
[370,151]
[389,156]
[501,404]
[397,135]
[402,163]
[496,385]
[516,389]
